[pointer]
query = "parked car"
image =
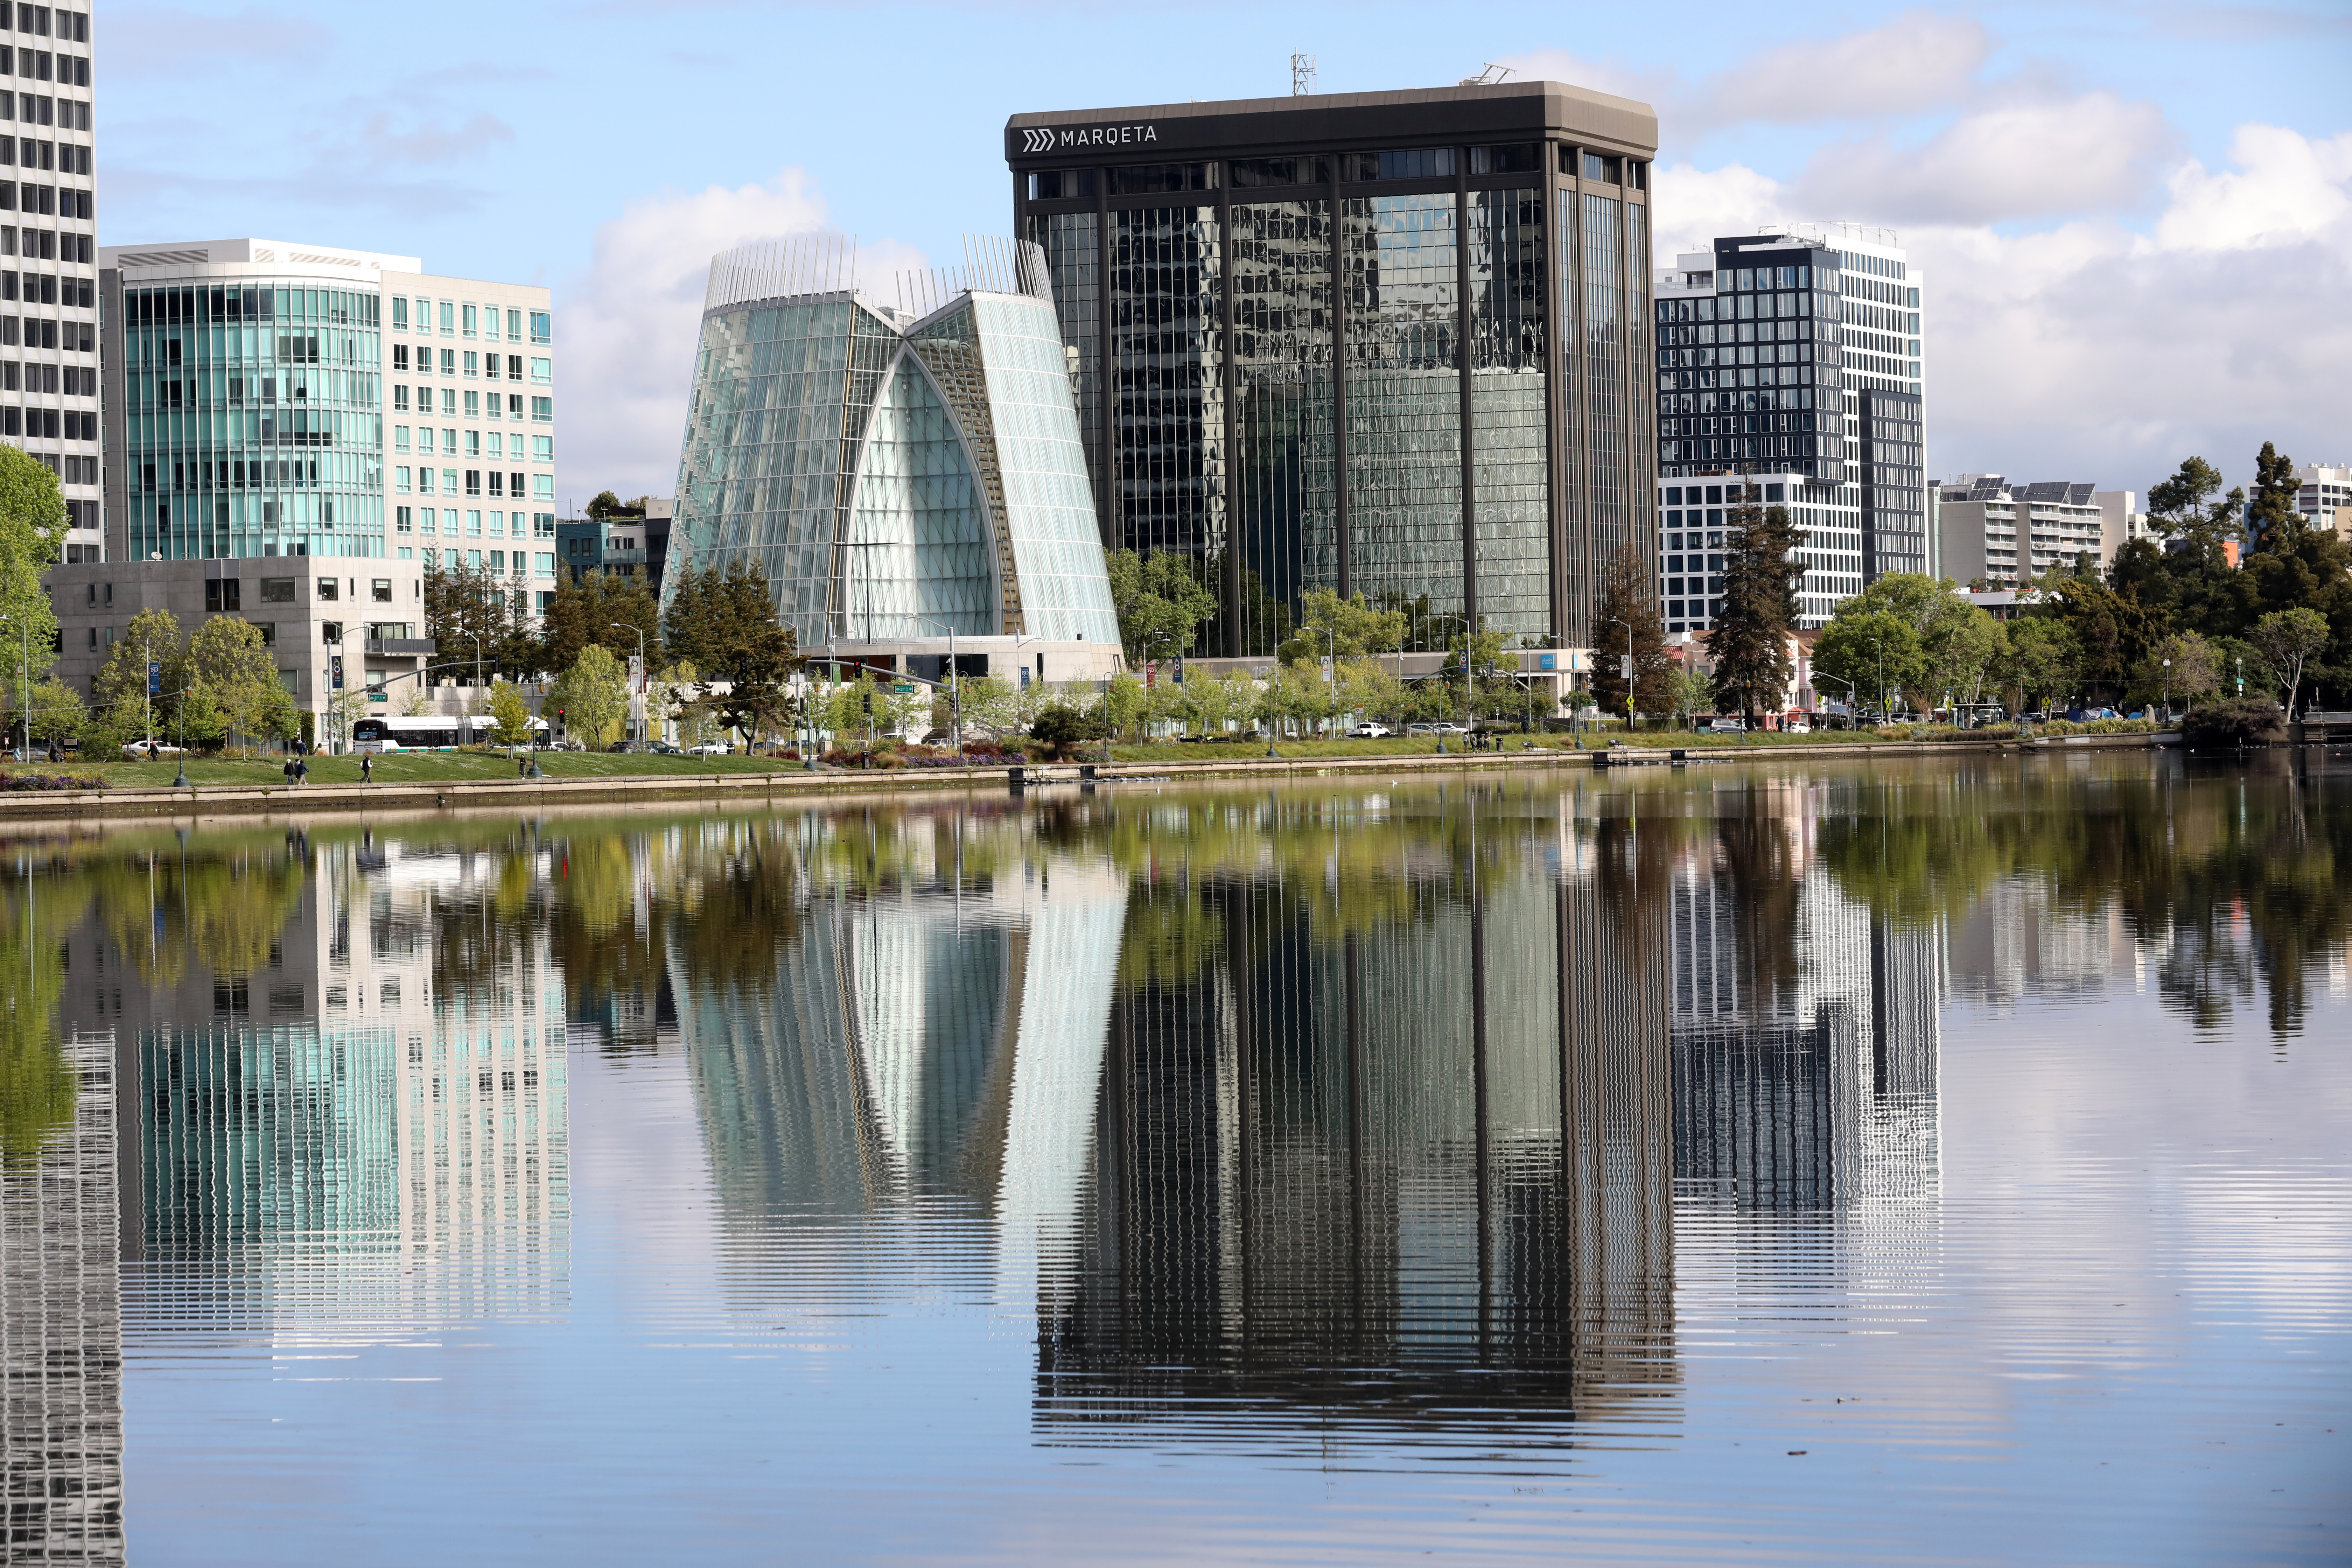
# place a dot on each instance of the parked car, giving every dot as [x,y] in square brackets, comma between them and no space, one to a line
[1371,732]
[664,749]
[1796,727]
[1445,727]
[710,749]
[137,750]
[1726,726]
[622,746]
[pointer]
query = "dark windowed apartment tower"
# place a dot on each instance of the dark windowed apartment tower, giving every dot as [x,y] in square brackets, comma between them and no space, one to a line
[1380,343]
[1789,370]
[49,280]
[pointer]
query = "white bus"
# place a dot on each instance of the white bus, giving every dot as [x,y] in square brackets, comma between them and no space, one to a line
[426,732]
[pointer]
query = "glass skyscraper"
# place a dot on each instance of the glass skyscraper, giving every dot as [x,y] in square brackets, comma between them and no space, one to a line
[898,470]
[1789,363]
[1377,343]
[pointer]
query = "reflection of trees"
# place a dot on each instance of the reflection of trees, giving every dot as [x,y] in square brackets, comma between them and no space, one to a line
[36,1085]
[223,907]
[2232,873]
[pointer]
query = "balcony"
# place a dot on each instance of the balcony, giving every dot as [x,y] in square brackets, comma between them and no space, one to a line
[400,648]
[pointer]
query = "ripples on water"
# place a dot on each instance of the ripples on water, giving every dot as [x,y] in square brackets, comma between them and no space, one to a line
[1943,1164]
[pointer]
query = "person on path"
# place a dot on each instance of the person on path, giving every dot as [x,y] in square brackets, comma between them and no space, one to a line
[301,772]
[367,770]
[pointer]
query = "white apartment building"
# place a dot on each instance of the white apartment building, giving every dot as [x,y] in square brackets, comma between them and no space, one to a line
[271,399]
[1999,533]
[2121,520]
[2324,495]
[49,229]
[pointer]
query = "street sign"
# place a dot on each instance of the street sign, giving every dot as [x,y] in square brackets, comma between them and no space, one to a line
[903,689]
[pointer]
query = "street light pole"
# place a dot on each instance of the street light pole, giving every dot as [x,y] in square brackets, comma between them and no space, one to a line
[625,626]
[1629,671]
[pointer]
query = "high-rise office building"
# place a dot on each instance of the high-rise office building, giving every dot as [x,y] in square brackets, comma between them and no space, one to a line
[1380,343]
[1789,362]
[48,228]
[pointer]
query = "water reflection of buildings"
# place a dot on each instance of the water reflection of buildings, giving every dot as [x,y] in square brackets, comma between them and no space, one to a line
[1805,1032]
[348,1083]
[1402,1177]
[61,1334]
[933,1032]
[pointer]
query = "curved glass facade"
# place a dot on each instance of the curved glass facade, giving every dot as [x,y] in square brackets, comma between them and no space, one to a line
[252,421]
[896,477]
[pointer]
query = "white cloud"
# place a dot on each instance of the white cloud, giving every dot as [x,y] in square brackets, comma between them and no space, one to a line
[2285,190]
[1917,62]
[2092,152]
[2089,351]
[629,324]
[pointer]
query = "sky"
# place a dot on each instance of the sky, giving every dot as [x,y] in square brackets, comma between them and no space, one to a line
[2135,221]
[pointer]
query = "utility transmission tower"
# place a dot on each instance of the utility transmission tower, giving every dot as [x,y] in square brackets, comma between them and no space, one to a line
[1302,75]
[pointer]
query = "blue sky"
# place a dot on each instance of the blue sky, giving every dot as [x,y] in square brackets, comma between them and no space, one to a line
[2127,212]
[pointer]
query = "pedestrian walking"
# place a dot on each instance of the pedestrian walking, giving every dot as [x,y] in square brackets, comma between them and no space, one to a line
[367,770]
[301,772]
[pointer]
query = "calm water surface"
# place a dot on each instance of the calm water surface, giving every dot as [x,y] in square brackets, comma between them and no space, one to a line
[1749,1164]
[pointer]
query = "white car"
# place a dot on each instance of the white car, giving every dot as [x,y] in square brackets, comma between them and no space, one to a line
[1371,732]
[710,749]
[137,750]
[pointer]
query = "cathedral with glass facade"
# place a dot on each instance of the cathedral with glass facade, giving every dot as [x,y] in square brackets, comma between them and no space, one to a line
[1379,343]
[900,455]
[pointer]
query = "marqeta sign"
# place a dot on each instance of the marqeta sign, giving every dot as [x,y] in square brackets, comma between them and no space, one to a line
[1071,138]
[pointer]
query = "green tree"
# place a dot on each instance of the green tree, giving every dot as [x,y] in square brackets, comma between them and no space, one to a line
[1160,601]
[1063,728]
[2041,659]
[58,713]
[1627,620]
[1122,704]
[726,625]
[1749,642]
[510,714]
[2287,640]
[1340,628]
[32,519]
[2270,517]
[605,504]
[233,667]
[2183,668]
[1688,691]
[987,706]
[601,607]
[1870,654]
[2115,632]
[593,696]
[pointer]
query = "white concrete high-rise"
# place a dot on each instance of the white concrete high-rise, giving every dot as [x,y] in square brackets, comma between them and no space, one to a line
[48,228]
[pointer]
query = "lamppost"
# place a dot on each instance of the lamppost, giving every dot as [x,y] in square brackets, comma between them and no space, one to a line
[2168,691]
[955,683]
[622,625]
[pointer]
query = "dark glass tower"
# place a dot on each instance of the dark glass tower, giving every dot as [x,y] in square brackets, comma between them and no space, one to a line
[1382,344]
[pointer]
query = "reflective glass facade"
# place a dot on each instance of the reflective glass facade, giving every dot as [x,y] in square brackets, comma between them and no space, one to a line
[895,477]
[1382,348]
[252,421]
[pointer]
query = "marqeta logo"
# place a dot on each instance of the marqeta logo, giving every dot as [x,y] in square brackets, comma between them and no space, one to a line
[1043,139]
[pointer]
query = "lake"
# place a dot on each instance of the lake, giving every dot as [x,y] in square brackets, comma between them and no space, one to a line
[1940,1160]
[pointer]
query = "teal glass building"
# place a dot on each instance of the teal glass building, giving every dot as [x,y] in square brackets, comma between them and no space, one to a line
[252,420]
[897,470]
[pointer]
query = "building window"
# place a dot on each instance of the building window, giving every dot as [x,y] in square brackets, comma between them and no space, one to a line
[542,371]
[542,410]
[542,327]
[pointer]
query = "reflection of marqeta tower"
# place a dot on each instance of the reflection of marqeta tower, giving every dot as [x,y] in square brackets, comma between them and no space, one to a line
[1408,1181]
[61,1334]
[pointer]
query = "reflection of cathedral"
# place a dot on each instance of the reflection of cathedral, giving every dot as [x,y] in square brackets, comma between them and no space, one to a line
[61,1334]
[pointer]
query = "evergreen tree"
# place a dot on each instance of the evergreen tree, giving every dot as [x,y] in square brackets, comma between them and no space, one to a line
[1751,641]
[1627,618]
[686,627]
[2271,522]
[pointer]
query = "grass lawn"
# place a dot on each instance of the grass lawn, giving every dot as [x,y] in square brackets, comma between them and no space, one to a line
[410,767]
